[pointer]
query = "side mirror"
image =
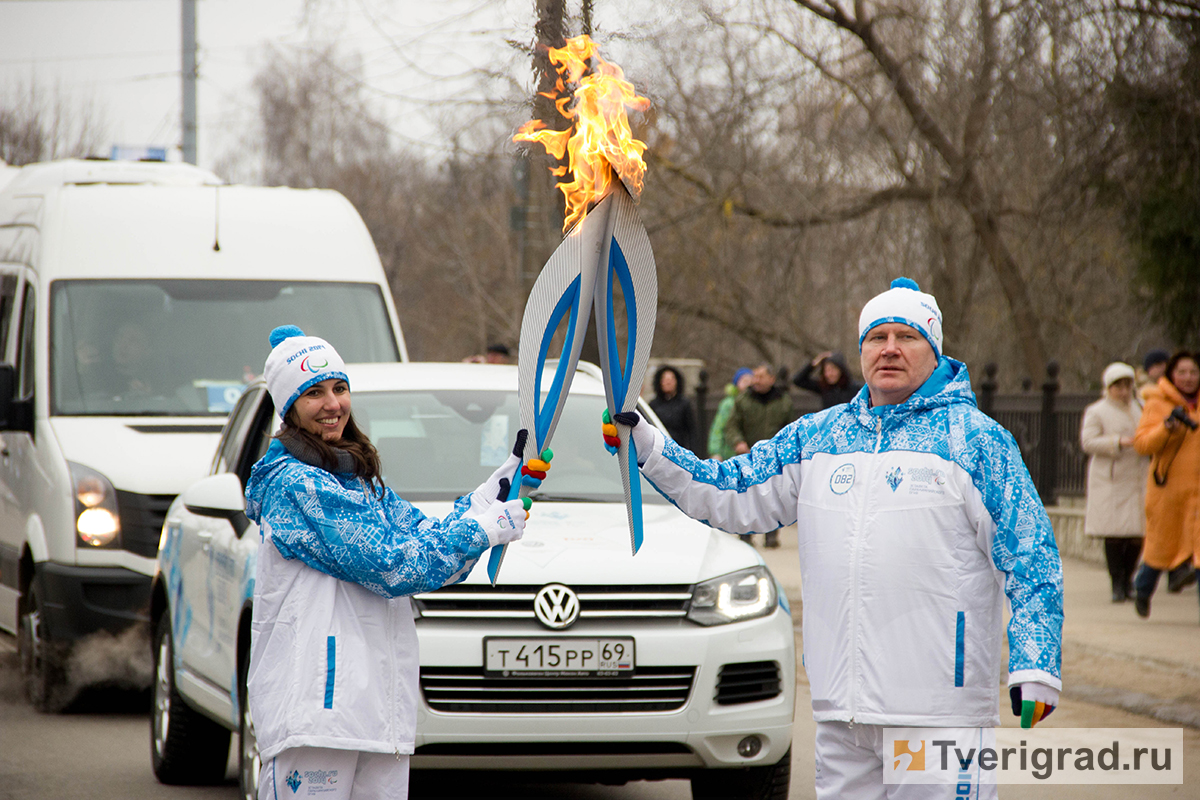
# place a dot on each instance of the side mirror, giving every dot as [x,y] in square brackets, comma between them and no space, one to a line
[15,415]
[218,496]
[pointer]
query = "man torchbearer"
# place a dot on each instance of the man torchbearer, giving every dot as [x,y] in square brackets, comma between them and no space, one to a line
[916,516]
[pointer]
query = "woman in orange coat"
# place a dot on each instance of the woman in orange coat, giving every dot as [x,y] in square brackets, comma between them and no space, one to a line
[1167,432]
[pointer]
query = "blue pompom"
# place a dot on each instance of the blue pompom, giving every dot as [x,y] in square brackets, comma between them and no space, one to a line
[905,283]
[284,332]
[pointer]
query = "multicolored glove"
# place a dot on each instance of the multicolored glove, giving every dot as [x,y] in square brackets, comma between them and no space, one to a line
[489,490]
[1032,702]
[643,437]
[532,475]
[504,521]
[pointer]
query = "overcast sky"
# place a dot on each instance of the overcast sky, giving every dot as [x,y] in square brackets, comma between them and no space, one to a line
[123,56]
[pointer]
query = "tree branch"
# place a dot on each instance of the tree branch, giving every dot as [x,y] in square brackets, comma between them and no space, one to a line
[860,207]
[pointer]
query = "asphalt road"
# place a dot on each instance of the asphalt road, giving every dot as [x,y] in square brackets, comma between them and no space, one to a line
[99,750]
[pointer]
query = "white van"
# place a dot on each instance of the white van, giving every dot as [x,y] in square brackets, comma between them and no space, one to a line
[136,301]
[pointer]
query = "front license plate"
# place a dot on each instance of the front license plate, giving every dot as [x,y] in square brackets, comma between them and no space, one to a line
[559,656]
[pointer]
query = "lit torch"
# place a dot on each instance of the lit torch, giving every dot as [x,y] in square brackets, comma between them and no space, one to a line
[605,246]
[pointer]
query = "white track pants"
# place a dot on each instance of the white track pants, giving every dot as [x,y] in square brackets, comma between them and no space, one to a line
[308,772]
[850,761]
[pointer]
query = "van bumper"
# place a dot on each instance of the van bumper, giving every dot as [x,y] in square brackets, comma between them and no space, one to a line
[79,601]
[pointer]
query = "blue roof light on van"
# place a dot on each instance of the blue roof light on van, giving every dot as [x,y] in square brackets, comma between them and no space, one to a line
[127,152]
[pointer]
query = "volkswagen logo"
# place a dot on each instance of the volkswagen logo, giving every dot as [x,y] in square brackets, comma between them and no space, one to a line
[556,606]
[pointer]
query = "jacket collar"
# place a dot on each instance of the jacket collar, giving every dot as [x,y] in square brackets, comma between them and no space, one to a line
[950,383]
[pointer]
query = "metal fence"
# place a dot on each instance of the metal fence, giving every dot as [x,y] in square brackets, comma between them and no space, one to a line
[1045,424]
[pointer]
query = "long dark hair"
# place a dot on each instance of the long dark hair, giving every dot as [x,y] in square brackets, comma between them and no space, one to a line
[657,382]
[353,441]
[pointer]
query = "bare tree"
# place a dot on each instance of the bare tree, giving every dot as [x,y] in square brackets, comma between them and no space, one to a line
[36,126]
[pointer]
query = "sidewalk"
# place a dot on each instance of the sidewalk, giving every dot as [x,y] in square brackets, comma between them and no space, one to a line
[1111,657]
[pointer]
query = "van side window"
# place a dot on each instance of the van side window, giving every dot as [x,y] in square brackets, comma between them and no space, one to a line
[8,300]
[26,353]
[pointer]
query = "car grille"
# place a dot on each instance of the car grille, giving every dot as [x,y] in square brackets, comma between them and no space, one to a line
[142,517]
[469,690]
[748,682]
[595,602]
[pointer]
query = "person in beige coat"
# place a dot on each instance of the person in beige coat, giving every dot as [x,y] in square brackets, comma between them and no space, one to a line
[1116,485]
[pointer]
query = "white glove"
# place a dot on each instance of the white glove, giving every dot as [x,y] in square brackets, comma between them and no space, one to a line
[642,435]
[504,522]
[489,490]
[1032,701]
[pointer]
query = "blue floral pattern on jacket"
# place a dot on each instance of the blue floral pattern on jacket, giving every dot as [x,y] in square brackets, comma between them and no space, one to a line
[341,526]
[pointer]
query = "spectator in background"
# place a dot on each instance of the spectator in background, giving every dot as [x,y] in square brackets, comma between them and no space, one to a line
[1167,433]
[497,354]
[759,413]
[1116,483]
[833,382]
[1154,366]
[672,407]
[719,447]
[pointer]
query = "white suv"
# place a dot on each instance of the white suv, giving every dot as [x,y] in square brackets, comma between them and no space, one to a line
[583,662]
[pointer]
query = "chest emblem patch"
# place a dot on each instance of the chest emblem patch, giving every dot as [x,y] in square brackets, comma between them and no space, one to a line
[842,479]
[894,478]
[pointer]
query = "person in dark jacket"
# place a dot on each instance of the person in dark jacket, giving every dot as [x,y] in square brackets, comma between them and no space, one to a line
[673,408]
[832,382]
[760,412]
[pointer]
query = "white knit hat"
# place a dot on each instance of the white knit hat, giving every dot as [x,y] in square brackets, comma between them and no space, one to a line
[296,363]
[907,304]
[1115,372]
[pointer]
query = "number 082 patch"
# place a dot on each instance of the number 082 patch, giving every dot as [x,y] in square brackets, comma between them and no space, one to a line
[842,479]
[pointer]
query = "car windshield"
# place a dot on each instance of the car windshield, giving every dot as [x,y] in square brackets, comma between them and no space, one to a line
[441,445]
[189,347]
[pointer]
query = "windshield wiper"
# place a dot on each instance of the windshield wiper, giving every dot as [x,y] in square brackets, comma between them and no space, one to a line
[562,498]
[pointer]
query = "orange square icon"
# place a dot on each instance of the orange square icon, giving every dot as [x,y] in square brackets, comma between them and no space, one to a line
[916,758]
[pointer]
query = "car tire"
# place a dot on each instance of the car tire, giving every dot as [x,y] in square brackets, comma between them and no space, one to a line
[749,783]
[249,762]
[43,662]
[186,747]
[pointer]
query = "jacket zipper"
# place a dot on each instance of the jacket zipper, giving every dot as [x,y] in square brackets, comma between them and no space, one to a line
[856,556]
[391,707]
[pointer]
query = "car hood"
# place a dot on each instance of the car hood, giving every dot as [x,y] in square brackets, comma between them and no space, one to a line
[588,543]
[149,455]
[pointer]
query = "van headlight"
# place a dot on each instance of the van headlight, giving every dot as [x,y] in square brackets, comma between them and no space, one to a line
[97,522]
[746,594]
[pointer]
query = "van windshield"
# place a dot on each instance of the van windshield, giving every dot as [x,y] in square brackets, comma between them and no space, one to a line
[188,347]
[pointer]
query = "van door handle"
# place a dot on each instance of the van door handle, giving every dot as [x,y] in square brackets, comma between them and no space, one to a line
[4,452]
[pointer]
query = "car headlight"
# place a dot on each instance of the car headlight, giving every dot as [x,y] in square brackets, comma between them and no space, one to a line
[742,595]
[97,522]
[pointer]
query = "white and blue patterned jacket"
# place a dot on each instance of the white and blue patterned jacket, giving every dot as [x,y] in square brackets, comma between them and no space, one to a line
[333,650]
[914,520]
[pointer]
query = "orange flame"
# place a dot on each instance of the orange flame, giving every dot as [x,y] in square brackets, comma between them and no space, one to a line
[600,140]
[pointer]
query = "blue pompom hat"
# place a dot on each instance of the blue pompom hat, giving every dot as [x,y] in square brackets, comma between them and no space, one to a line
[904,302]
[296,363]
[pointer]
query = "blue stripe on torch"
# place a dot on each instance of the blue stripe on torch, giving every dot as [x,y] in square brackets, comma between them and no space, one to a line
[543,415]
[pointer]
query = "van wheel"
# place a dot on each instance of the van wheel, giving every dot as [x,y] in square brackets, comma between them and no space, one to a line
[186,747]
[249,762]
[748,783]
[42,661]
